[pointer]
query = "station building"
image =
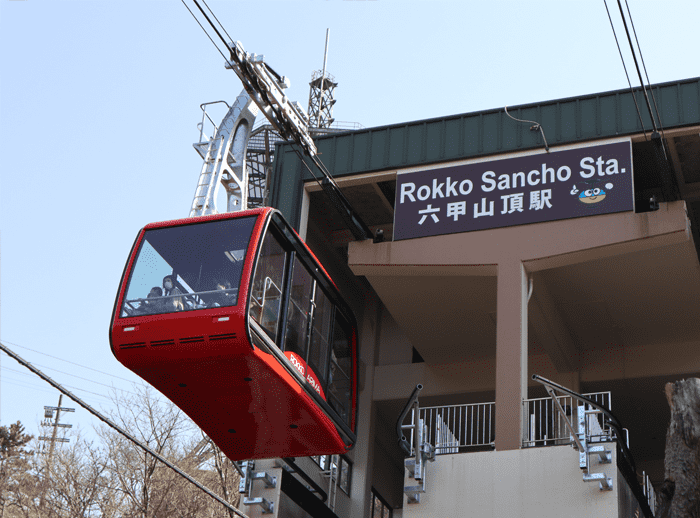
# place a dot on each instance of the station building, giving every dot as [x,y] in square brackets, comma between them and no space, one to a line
[566,246]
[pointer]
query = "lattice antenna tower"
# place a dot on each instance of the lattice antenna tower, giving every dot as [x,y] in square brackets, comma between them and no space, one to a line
[321,95]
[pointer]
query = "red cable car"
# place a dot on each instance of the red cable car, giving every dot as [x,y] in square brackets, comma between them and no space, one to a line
[233,318]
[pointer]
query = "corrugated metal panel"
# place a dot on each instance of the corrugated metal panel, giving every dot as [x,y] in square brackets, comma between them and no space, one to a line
[489,132]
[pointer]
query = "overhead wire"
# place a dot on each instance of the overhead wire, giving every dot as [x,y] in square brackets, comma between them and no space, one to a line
[639,73]
[205,31]
[210,23]
[21,383]
[41,388]
[641,57]
[636,64]
[217,21]
[85,379]
[69,386]
[634,97]
[72,363]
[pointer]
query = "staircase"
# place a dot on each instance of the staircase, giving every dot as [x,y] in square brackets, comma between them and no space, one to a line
[589,433]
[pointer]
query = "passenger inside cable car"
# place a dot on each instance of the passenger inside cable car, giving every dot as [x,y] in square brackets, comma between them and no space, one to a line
[194,276]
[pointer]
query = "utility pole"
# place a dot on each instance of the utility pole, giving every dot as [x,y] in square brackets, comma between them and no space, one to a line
[48,414]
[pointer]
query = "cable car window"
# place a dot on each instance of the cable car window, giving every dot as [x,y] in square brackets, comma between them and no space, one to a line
[188,267]
[339,377]
[299,308]
[266,297]
[320,333]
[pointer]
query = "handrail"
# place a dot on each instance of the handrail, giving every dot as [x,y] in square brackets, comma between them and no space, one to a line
[630,473]
[546,425]
[204,114]
[612,420]
[403,442]
[580,446]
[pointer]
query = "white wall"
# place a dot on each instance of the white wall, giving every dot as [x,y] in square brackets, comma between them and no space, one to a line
[542,482]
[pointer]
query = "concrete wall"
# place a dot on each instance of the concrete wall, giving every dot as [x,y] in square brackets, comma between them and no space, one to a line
[542,482]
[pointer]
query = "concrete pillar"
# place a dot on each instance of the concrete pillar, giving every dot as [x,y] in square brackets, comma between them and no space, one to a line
[361,484]
[511,354]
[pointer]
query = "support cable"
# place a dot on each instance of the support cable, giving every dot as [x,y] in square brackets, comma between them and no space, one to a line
[119,429]
[288,130]
[641,56]
[210,23]
[356,225]
[205,31]
[217,21]
[634,97]
[636,64]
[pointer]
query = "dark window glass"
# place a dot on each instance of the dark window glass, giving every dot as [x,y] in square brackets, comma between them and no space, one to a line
[266,295]
[298,313]
[203,264]
[380,508]
[320,334]
[340,375]
[345,475]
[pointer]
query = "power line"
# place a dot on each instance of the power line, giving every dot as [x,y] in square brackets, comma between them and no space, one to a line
[70,386]
[68,361]
[84,379]
[39,388]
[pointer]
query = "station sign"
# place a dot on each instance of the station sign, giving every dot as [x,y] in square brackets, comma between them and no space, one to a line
[573,183]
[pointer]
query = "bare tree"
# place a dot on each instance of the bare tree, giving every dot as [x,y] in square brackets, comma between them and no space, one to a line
[134,473]
[75,481]
[227,476]
[148,489]
[679,496]
[113,478]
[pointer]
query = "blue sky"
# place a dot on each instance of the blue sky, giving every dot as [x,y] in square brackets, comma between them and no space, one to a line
[99,102]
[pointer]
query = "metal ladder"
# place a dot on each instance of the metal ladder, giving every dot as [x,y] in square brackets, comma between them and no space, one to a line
[419,449]
[332,474]
[587,419]
[224,158]
[416,466]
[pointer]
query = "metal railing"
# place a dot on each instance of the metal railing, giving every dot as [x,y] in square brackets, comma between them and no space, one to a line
[544,426]
[458,428]
[462,428]
[649,492]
